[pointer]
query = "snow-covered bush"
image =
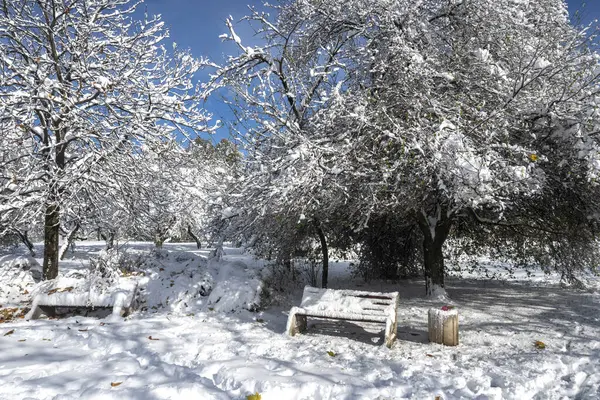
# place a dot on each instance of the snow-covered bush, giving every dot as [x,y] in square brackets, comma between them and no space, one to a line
[389,249]
[106,268]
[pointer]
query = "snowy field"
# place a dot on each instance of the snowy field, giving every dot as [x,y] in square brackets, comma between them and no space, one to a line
[195,338]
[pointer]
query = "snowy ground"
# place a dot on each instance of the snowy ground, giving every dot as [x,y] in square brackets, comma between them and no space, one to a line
[184,345]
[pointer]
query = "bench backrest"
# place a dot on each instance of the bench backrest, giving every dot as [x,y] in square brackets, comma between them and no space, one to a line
[351,302]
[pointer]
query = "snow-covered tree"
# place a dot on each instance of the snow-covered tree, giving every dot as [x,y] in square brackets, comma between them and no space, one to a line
[174,200]
[83,84]
[442,113]
[288,190]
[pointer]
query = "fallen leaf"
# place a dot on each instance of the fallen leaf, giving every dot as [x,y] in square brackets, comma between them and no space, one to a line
[83,330]
[255,396]
[102,324]
[60,290]
[429,355]
[115,384]
[161,269]
[539,345]
[331,353]
[9,332]
[260,320]
[22,340]
[47,340]
[211,309]
[438,398]
[151,338]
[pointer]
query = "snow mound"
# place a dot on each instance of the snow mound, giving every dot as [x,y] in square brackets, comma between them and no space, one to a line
[178,282]
[18,274]
[438,293]
[237,287]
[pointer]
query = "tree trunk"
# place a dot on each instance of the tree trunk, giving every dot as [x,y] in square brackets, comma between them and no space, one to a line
[25,239]
[52,219]
[158,240]
[69,239]
[51,238]
[194,236]
[325,252]
[109,239]
[435,231]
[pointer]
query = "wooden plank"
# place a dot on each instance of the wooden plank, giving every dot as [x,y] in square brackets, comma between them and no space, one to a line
[342,315]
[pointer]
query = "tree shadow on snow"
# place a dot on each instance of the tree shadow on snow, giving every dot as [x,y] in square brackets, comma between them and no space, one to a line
[523,308]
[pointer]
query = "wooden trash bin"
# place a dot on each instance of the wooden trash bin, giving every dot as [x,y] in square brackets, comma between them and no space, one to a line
[443,325]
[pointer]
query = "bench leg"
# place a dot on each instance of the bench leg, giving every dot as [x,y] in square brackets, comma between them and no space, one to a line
[391,330]
[34,313]
[296,323]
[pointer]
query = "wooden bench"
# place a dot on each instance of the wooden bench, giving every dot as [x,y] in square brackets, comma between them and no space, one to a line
[73,292]
[350,305]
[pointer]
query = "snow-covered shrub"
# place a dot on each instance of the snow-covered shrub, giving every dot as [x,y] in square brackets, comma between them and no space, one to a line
[389,250]
[9,241]
[310,270]
[282,278]
[109,265]
[104,270]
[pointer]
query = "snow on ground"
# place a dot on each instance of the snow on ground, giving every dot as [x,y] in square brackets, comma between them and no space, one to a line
[184,345]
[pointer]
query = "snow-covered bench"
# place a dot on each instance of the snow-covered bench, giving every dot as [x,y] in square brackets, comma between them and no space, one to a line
[73,292]
[350,305]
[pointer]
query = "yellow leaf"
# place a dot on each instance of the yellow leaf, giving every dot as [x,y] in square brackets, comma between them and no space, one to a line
[115,384]
[539,345]
[331,353]
[255,396]
[533,157]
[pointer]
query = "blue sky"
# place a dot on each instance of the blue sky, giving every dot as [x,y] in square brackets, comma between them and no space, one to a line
[197,24]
